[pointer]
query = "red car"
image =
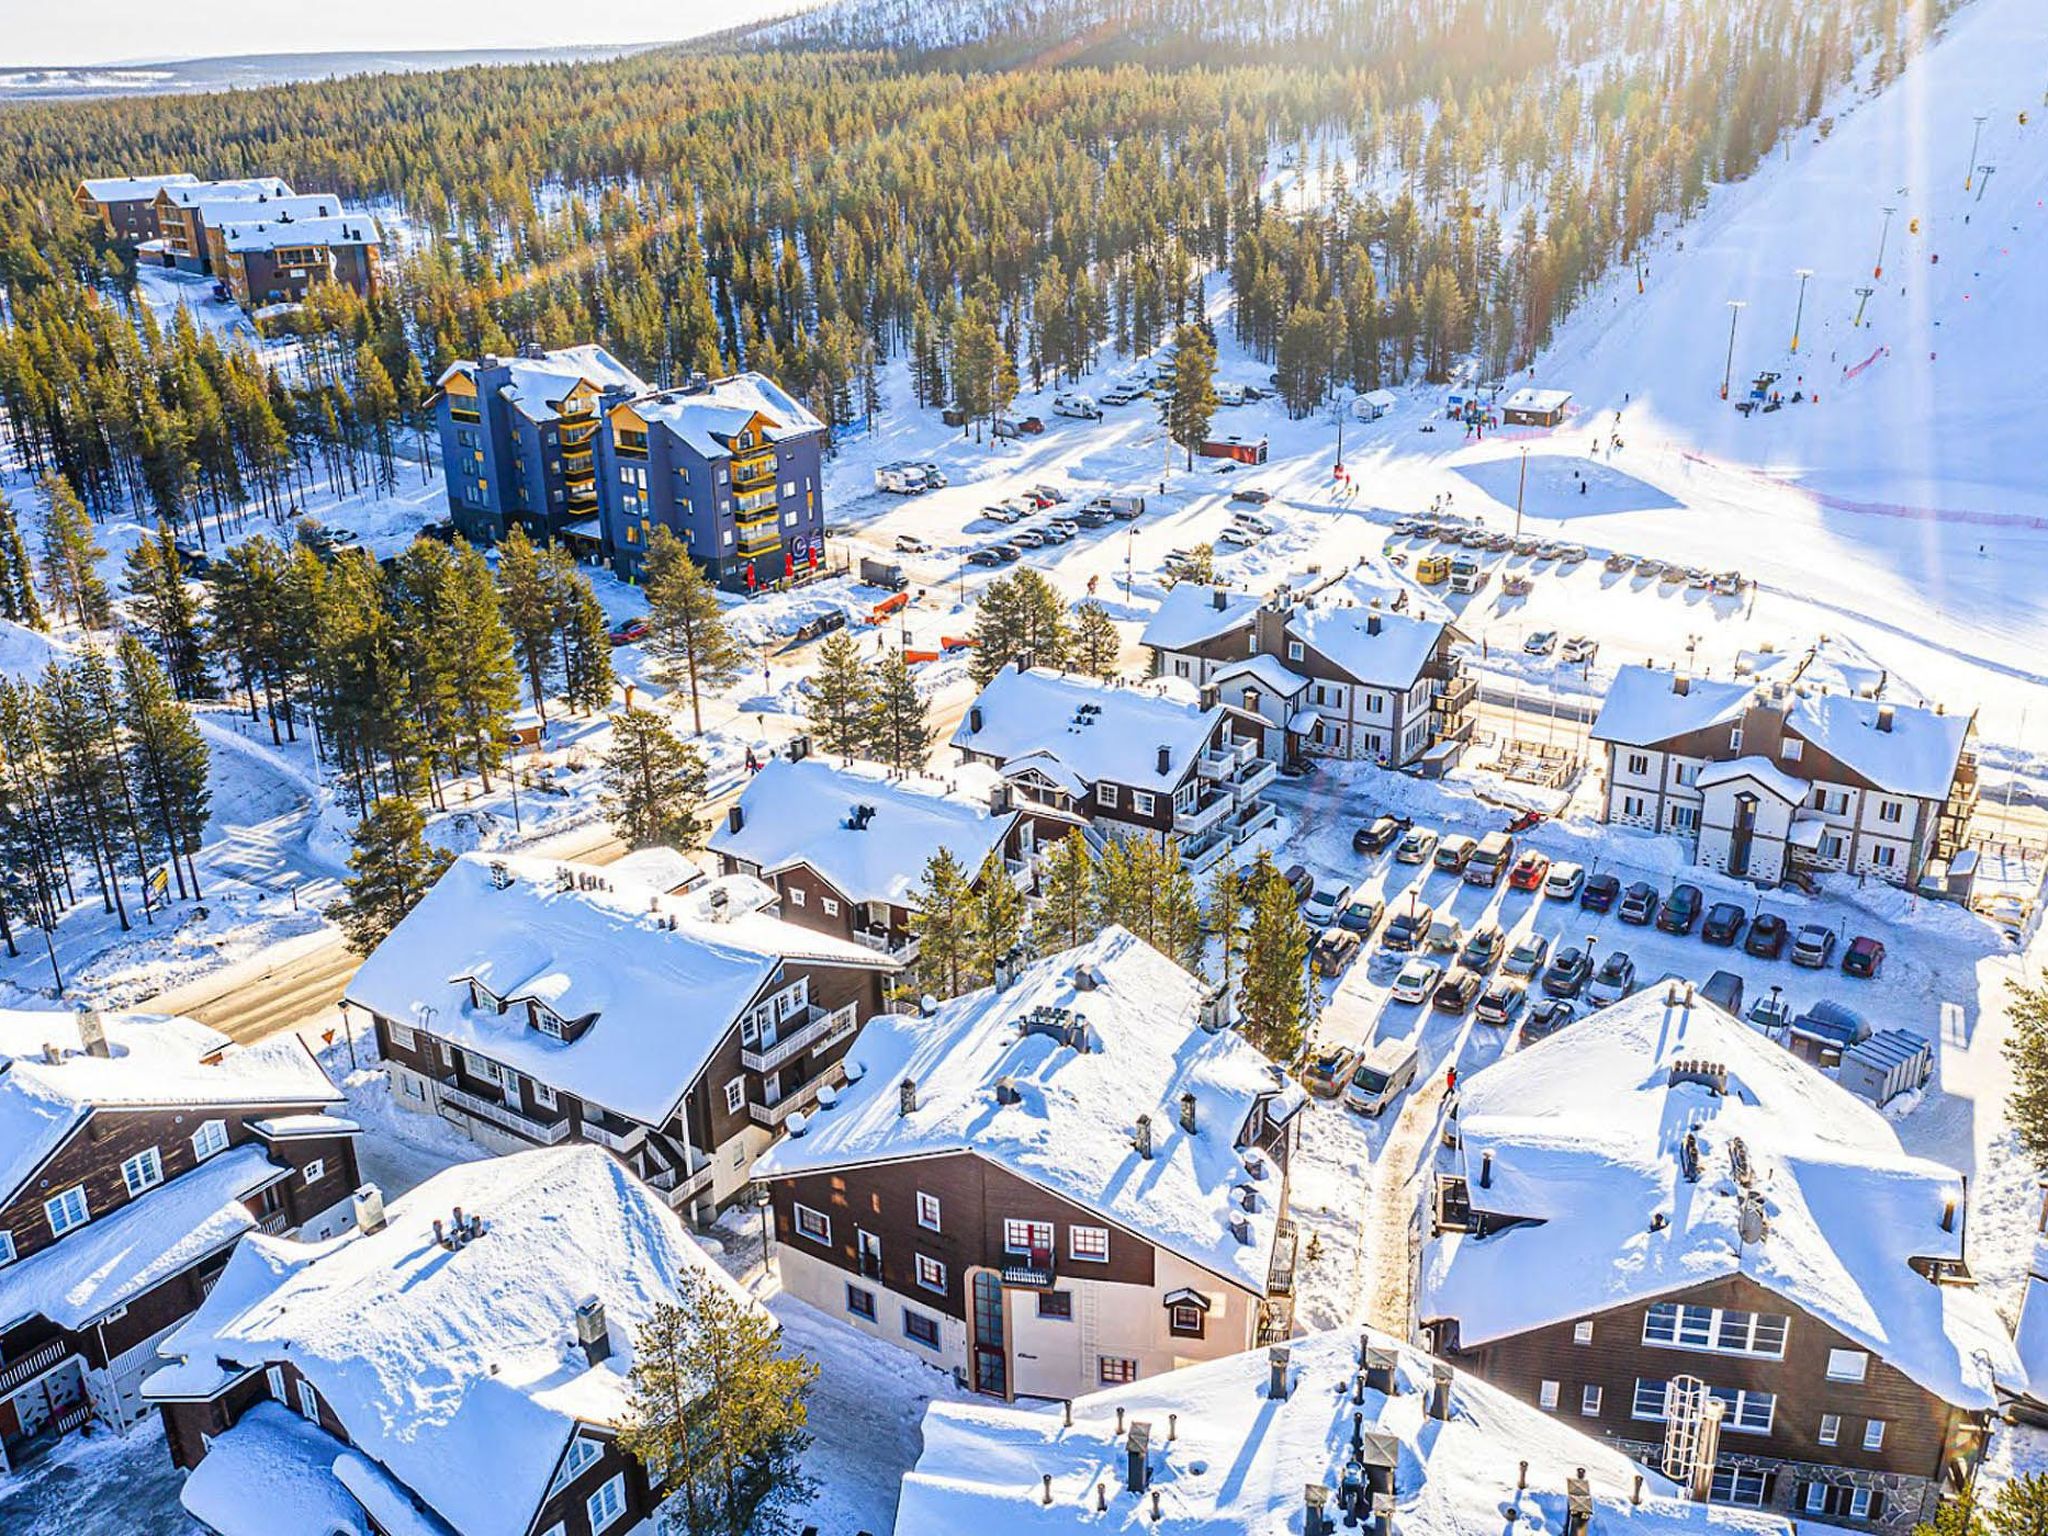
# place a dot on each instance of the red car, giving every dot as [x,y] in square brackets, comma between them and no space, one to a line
[1864,957]
[632,632]
[1529,873]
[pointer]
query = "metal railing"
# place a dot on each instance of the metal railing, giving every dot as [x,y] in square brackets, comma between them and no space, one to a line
[547,1132]
[904,949]
[1208,812]
[817,1031]
[31,1365]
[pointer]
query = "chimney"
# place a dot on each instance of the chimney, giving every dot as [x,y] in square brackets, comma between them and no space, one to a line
[1241,1229]
[1578,1502]
[1024,662]
[53,1053]
[92,1033]
[999,800]
[974,719]
[591,1331]
[1219,599]
[1486,1170]
[1143,1139]
[906,1096]
[369,1209]
[1379,1370]
[1137,1456]
[1277,1359]
[1315,1498]
[1006,1091]
[1372,623]
[1948,1214]
[1085,979]
[1884,718]
[735,817]
[1165,757]
[1439,1390]
[1680,684]
[1187,1113]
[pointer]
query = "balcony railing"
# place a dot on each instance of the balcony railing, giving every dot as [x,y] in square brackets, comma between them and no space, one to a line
[1260,772]
[30,1366]
[547,1132]
[1220,762]
[464,415]
[760,546]
[1452,695]
[818,1030]
[774,1114]
[274,1224]
[754,505]
[680,1189]
[625,1143]
[882,942]
[1280,1273]
[1255,819]
[1207,812]
[1443,668]
[753,473]
[1035,1271]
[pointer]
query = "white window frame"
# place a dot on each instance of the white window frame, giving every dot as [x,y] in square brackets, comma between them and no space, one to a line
[61,1203]
[1142,802]
[1296,650]
[582,1452]
[931,1274]
[401,1034]
[209,1139]
[6,1247]
[1830,1429]
[309,1401]
[822,1237]
[1019,1231]
[314,1171]
[1074,1239]
[1891,811]
[143,1172]
[1639,763]
[1582,1333]
[796,895]
[1848,1365]
[1791,748]
[543,1094]
[1745,1486]
[1589,1402]
[275,1377]
[831,907]
[1547,1395]
[1859,1503]
[1105,795]
[928,1212]
[1873,1434]
[1701,1330]
[735,1095]
[607,1503]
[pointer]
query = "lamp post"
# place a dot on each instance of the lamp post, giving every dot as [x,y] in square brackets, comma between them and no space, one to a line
[1799,311]
[764,1201]
[1735,307]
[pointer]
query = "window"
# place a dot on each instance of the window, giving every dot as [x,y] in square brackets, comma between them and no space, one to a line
[1115,1371]
[1790,748]
[309,1401]
[1295,651]
[1546,1397]
[1722,1331]
[1749,1413]
[1638,763]
[831,907]
[6,1247]
[1890,810]
[582,1452]
[1860,1503]
[1186,1320]
[1873,1435]
[1816,1500]
[1684,817]
[1684,773]
[275,1376]
[1631,805]
[1735,739]
[796,896]
[1105,794]
[145,1170]
[928,1211]
[1089,1243]
[543,1095]
[1582,1333]
[860,1303]
[735,1095]
[1589,1402]
[1021,1236]
[67,1210]
[609,1502]
[1739,1485]
[1830,1429]
[815,1225]
[314,1171]
[920,1329]
[1141,803]
[400,1036]
[1847,1364]
[931,1274]
[1649,1400]
[1058,1305]
[1883,855]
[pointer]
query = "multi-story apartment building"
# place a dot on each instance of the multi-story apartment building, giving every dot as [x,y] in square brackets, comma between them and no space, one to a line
[278,258]
[457,1366]
[530,1002]
[1124,760]
[187,211]
[733,467]
[134,1153]
[126,205]
[1679,1236]
[845,848]
[1343,678]
[1073,1180]
[1770,778]
[520,443]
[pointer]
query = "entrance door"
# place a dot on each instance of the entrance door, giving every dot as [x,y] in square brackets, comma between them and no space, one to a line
[1743,835]
[991,1363]
[869,1249]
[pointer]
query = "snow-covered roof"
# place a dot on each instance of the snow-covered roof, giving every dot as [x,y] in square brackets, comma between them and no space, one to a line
[241,208]
[265,233]
[457,1371]
[1237,1460]
[1385,399]
[662,979]
[1071,1129]
[129,189]
[1528,398]
[1371,645]
[1916,756]
[706,417]
[1191,614]
[1267,672]
[1645,706]
[666,869]
[1760,770]
[273,1471]
[153,1060]
[194,193]
[1097,730]
[119,1256]
[802,813]
[1846,1207]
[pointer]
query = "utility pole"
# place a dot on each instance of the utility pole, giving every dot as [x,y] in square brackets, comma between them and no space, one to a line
[1862,298]
[1969,171]
[1884,235]
[1799,313]
[1735,307]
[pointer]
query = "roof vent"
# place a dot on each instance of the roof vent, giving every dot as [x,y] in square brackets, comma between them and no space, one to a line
[1884,718]
[1680,684]
[1142,1140]
[735,817]
[1137,1456]
[369,1209]
[1738,1162]
[1006,1091]
[1165,757]
[974,719]
[1372,623]
[1061,1025]
[1187,1112]
[1241,1229]
[1711,1075]
[1277,1359]
[591,1330]
[1220,599]
[92,1033]
[906,1096]
[1689,1157]
[501,875]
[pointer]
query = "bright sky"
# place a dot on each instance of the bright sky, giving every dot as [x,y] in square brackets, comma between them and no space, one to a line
[114,31]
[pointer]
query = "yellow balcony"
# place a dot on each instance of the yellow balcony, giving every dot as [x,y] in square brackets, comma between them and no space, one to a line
[756,503]
[577,434]
[632,445]
[759,542]
[461,413]
[751,474]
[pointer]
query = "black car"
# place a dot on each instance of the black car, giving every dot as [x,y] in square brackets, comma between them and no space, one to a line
[1483,948]
[1376,835]
[1300,881]
[1681,909]
[1767,936]
[993,555]
[1546,1018]
[1724,924]
[1567,972]
[1093,517]
[1639,904]
[1599,891]
[1407,926]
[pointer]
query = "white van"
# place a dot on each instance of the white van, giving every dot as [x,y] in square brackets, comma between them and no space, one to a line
[1230,394]
[1382,1075]
[1081,406]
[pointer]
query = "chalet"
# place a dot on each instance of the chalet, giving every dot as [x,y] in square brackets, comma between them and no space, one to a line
[1074,1180]
[456,1366]
[1530,407]
[1732,1260]
[126,205]
[1197,629]
[1124,761]
[1338,1431]
[529,1002]
[1771,779]
[845,849]
[134,1153]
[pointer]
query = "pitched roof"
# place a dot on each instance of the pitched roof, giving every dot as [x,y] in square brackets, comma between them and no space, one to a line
[1096,730]
[704,416]
[1644,706]
[1071,1129]
[1760,769]
[1846,1207]
[191,194]
[1237,1461]
[269,234]
[273,1471]
[128,189]
[1266,671]
[1371,645]
[1192,613]
[597,944]
[1916,756]
[800,813]
[456,1371]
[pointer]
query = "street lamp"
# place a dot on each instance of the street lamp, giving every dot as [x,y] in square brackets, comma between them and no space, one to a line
[1799,313]
[764,1201]
[1735,308]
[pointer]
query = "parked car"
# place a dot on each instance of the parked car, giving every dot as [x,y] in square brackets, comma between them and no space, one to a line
[1649,565]
[1300,881]
[1564,880]
[1336,949]
[1455,992]
[1567,973]
[1639,904]
[1455,851]
[1541,643]
[1483,947]
[1770,1014]
[1076,405]
[1007,552]
[1724,990]
[1526,955]
[1580,649]
[1767,936]
[631,632]
[1864,957]
[1446,935]
[1384,1071]
[1406,927]
[1325,1073]
[1814,947]
[1724,924]
[1325,899]
[1501,1002]
[1058,531]
[1028,538]
[1615,979]
[1546,1016]
[1002,512]
[911,544]
[1416,846]
[1377,833]
[1251,496]
[1490,860]
[1361,914]
[1530,871]
[1417,980]
[1681,910]
[1599,892]
[987,556]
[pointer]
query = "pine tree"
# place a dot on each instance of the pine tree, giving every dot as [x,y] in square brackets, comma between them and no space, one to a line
[1019,615]
[1178,926]
[1191,405]
[1272,1001]
[164,608]
[1096,642]
[899,728]
[71,557]
[840,708]
[169,762]
[688,639]
[18,600]
[999,913]
[717,1410]
[587,676]
[391,866]
[2026,1053]
[473,651]
[1199,568]
[2020,1508]
[654,783]
[533,610]
[1066,913]
[1228,898]
[941,922]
